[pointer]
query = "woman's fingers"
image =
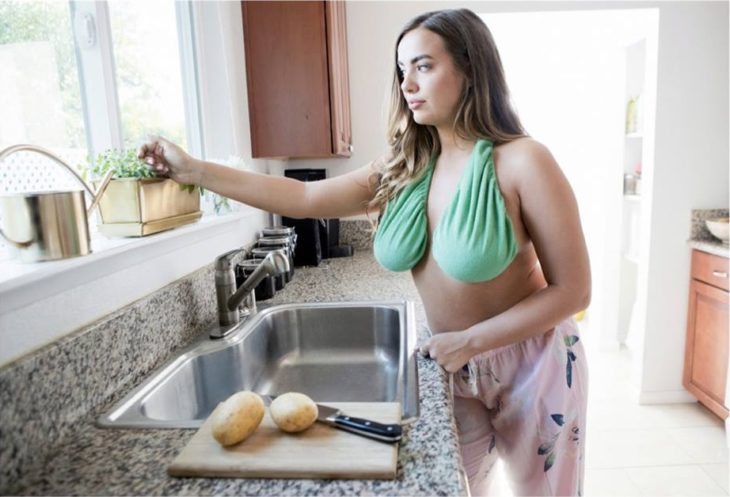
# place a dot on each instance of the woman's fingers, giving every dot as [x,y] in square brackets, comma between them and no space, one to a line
[143,153]
[151,148]
[424,350]
[165,158]
[153,154]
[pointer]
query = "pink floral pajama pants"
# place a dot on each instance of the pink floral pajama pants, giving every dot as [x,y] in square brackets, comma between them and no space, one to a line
[526,404]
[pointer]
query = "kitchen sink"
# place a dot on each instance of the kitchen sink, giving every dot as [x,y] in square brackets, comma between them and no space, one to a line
[333,352]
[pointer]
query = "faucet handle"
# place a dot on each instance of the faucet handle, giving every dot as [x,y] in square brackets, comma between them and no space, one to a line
[224,262]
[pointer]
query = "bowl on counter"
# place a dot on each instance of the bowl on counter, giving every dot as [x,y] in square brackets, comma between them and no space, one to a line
[719,228]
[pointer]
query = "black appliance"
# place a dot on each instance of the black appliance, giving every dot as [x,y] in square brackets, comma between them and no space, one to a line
[317,239]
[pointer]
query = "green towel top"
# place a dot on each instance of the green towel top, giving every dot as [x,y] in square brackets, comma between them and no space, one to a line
[474,240]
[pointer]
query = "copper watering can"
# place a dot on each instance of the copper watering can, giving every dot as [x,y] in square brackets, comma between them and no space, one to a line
[46,226]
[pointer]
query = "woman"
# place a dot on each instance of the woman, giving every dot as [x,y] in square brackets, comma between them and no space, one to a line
[487,224]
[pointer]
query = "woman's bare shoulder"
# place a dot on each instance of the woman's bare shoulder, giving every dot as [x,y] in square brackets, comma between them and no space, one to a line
[381,162]
[524,150]
[516,162]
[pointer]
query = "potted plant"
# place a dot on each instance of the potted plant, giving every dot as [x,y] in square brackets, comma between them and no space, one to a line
[136,202]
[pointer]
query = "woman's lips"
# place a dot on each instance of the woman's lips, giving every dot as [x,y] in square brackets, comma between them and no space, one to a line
[414,104]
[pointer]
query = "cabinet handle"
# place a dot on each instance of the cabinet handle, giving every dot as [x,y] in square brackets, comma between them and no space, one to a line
[352,149]
[719,274]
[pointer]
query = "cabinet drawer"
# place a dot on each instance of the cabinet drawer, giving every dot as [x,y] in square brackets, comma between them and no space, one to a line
[710,268]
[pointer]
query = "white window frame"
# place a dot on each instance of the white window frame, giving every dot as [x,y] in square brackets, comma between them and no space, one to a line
[190,77]
[97,75]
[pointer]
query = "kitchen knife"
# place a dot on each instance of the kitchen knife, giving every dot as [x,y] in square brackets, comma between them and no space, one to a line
[367,428]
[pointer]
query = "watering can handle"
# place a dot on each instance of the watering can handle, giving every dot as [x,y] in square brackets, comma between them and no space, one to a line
[43,151]
[15,244]
[102,188]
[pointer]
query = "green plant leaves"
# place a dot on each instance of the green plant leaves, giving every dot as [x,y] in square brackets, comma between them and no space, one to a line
[192,188]
[125,164]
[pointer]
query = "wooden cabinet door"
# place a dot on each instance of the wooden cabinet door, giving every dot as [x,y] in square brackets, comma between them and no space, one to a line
[339,78]
[706,354]
[296,73]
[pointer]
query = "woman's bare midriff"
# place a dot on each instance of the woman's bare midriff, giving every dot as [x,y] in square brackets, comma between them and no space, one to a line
[453,305]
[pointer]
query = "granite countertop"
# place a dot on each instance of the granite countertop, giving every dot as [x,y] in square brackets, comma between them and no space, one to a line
[701,238]
[79,458]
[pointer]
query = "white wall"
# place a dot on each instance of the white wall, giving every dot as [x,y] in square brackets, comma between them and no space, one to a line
[221,67]
[690,151]
[577,109]
[691,157]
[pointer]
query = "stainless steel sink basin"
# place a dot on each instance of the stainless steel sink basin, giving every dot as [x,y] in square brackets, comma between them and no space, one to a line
[345,351]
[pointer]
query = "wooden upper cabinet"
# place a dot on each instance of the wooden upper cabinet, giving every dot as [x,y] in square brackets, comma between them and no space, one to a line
[296,71]
[339,79]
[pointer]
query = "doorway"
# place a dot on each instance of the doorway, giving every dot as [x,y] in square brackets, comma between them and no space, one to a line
[586,91]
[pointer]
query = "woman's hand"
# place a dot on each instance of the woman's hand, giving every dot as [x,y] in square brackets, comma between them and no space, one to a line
[450,349]
[167,159]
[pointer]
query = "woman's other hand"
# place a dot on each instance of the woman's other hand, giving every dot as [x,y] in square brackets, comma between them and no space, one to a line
[450,349]
[167,159]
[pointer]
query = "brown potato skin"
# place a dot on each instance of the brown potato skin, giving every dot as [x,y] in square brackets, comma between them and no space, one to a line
[237,417]
[293,412]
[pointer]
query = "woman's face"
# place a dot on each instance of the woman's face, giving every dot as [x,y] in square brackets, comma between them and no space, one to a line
[431,83]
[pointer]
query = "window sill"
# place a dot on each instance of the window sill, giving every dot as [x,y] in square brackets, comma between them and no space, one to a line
[40,302]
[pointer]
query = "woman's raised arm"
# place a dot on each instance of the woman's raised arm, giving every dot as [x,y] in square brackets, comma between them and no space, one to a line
[340,196]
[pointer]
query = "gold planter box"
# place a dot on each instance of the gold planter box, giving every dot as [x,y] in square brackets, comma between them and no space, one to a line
[139,207]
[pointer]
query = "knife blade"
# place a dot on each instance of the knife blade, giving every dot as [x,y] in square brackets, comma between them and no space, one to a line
[382,432]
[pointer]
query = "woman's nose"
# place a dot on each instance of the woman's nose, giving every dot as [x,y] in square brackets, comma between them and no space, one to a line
[408,85]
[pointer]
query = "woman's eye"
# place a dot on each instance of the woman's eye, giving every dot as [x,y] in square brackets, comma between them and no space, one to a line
[423,67]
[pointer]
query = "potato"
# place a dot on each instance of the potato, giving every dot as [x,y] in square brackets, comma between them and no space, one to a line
[234,419]
[293,412]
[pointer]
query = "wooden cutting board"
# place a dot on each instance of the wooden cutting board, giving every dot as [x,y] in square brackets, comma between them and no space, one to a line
[321,451]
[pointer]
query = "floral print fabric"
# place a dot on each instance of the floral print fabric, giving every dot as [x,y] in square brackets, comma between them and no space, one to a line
[526,404]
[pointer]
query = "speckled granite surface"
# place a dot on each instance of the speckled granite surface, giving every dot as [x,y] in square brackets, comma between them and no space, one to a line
[356,232]
[701,238]
[45,396]
[50,400]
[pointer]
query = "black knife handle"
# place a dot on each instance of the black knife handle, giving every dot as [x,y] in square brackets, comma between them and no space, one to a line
[367,428]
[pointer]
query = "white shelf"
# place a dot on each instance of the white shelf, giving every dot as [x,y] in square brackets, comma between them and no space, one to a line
[40,279]
[634,135]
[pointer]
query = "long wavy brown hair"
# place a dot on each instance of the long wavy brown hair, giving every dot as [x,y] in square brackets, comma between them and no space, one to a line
[484,110]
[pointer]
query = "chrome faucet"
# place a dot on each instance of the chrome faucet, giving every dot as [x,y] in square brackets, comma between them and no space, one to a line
[229,297]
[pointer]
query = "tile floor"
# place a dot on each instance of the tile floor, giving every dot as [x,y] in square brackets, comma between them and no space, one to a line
[645,450]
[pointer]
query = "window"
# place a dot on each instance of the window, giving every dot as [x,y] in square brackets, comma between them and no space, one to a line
[121,80]
[148,77]
[81,77]
[40,95]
